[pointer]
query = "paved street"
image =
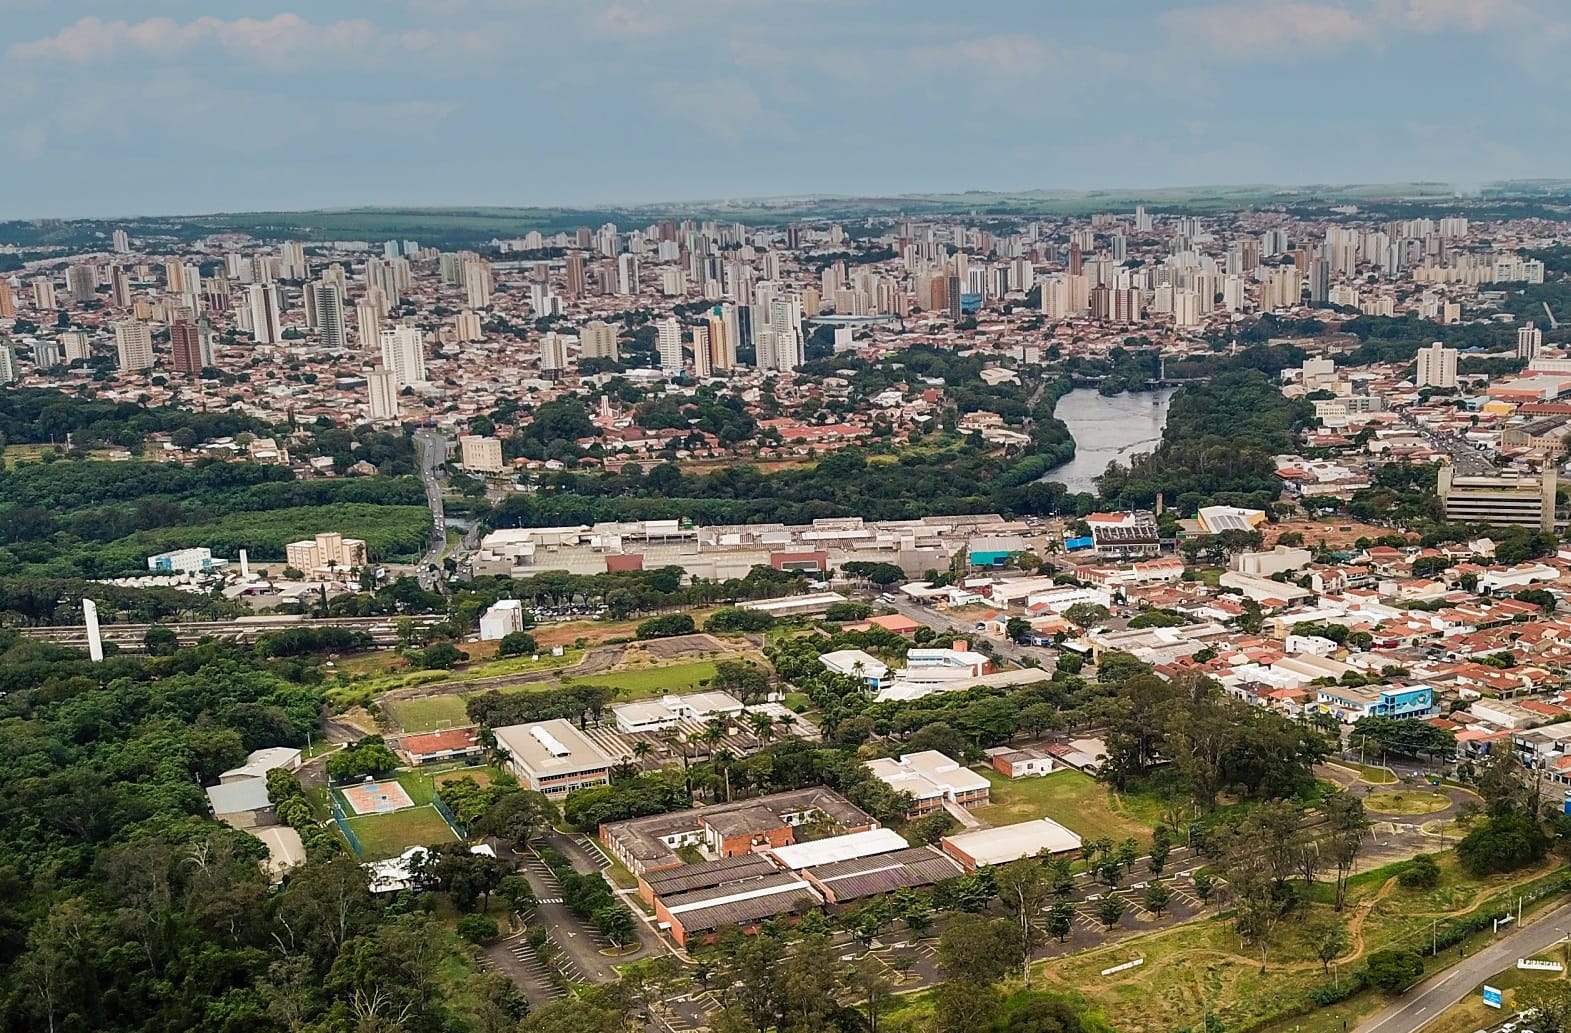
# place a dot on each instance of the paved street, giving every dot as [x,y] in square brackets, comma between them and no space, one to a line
[432,449]
[950,626]
[1424,1002]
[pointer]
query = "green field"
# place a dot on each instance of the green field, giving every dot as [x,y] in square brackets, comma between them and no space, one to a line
[1074,800]
[654,681]
[428,713]
[388,835]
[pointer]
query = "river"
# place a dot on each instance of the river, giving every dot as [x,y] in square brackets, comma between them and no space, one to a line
[1106,428]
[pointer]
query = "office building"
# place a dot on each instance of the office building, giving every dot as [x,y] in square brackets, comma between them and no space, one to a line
[327,554]
[192,350]
[266,321]
[1529,339]
[134,344]
[403,353]
[668,342]
[1520,501]
[553,757]
[1436,366]
[480,454]
[327,300]
[597,340]
[382,392]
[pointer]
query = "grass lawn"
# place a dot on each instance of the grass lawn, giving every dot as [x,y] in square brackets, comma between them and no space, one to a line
[418,784]
[1070,798]
[654,681]
[388,835]
[1407,802]
[519,664]
[428,713]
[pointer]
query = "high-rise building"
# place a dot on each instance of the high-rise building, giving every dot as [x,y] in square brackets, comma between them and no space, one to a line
[480,454]
[291,261]
[10,373]
[81,283]
[7,300]
[382,387]
[1437,366]
[47,354]
[1186,309]
[134,343]
[266,324]
[120,241]
[668,342]
[119,287]
[597,340]
[1319,281]
[477,282]
[328,301]
[575,275]
[553,352]
[192,353]
[44,295]
[76,345]
[368,321]
[466,326]
[722,345]
[627,274]
[1529,339]
[403,352]
[703,358]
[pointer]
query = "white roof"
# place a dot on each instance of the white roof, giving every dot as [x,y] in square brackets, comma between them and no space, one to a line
[1012,842]
[839,848]
[928,768]
[844,661]
[260,762]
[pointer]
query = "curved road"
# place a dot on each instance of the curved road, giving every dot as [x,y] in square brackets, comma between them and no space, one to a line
[1425,1002]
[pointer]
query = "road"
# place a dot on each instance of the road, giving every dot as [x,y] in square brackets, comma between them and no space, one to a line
[1425,1002]
[967,629]
[1467,460]
[432,449]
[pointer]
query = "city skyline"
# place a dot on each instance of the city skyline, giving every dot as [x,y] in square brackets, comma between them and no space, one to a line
[549,103]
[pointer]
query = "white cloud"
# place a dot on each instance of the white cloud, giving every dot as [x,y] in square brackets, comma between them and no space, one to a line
[1262,29]
[631,20]
[1443,15]
[282,39]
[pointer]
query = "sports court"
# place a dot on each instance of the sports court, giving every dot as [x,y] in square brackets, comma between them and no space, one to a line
[376,797]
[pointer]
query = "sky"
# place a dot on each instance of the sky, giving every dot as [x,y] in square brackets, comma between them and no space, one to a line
[131,107]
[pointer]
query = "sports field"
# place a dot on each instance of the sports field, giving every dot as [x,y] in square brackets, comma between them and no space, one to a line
[388,835]
[376,797]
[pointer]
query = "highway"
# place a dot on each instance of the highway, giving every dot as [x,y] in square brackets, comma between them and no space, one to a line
[1429,999]
[1467,459]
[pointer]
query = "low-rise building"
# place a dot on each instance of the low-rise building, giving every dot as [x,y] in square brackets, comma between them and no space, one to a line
[1027,762]
[1348,705]
[328,554]
[987,847]
[553,757]
[932,779]
[501,619]
[186,561]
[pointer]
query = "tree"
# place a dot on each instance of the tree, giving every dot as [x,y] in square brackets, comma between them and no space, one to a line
[978,950]
[1548,1001]
[1157,898]
[517,892]
[478,929]
[1502,843]
[1018,629]
[517,643]
[1329,940]
[1109,910]
[1060,920]
[1394,970]
[1084,615]
[615,923]
[667,626]
[962,1007]
[1420,873]
[1023,889]
[1205,885]
[1346,824]
[160,640]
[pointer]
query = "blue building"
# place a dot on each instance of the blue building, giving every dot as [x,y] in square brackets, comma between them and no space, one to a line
[1350,704]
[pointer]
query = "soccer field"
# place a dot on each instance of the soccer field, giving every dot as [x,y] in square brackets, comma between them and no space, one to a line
[388,835]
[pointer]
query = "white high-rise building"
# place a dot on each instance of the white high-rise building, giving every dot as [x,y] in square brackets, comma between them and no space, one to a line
[120,241]
[368,319]
[134,343]
[382,387]
[403,353]
[1529,339]
[76,345]
[291,261]
[477,282]
[266,324]
[703,357]
[10,373]
[1186,309]
[668,342]
[553,352]
[627,274]
[44,295]
[328,302]
[1436,366]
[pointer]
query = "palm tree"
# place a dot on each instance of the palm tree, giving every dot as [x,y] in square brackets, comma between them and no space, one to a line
[642,749]
[714,733]
[763,726]
[723,760]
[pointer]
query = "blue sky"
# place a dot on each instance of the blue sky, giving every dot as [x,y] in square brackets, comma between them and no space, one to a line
[120,108]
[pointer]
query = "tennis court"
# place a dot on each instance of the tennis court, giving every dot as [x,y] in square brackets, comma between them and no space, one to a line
[376,797]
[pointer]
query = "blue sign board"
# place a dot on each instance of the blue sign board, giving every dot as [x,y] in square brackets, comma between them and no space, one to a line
[1492,996]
